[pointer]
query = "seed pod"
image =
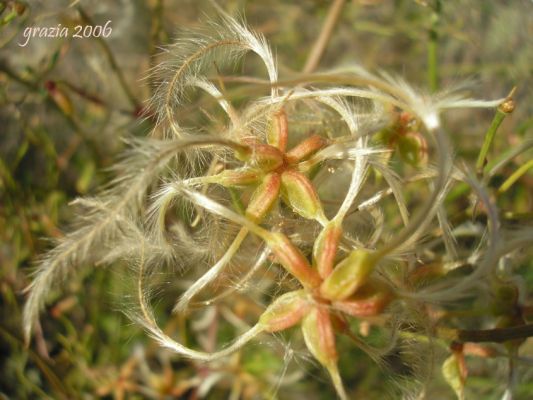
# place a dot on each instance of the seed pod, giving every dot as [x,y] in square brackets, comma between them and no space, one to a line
[413,148]
[299,193]
[349,275]
[292,259]
[505,298]
[325,249]
[262,156]
[368,301]
[263,198]
[278,131]
[286,311]
[319,336]
[305,149]
[237,177]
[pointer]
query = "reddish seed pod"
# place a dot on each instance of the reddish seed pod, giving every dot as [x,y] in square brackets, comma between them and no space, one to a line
[292,259]
[319,336]
[262,156]
[237,177]
[286,311]
[278,131]
[325,249]
[263,198]
[305,149]
[371,299]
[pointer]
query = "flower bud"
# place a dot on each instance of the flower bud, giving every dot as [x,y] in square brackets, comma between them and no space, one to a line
[286,311]
[508,106]
[299,193]
[349,275]
[319,336]
[368,301]
[305,149]
[263,197]
[292,259]
[278,130]
[325,249]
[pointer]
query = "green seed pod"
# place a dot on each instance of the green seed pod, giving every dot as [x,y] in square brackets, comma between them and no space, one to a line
[349,275]
[299,193]
[286,311]
[278,130]
[263,198]
[413,148]
[319,336]
[325,249]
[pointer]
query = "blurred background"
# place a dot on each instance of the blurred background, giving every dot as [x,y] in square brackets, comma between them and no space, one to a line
[66,103]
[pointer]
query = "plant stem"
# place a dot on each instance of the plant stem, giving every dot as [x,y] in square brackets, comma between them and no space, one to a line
[433,74]
[320,45]
[515,176]
[497,335]
[112,61]
[503,109]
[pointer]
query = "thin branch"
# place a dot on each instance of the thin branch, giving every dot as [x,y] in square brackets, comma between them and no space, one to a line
[320,45]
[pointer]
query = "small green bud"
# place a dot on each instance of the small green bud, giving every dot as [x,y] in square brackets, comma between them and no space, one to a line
[278,131]
[286,311]
[325,249]
[349,275]
[319,336]
[299,193]
[263,197]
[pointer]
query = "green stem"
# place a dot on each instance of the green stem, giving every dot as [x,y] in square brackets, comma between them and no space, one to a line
[515,176]
[505,108]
